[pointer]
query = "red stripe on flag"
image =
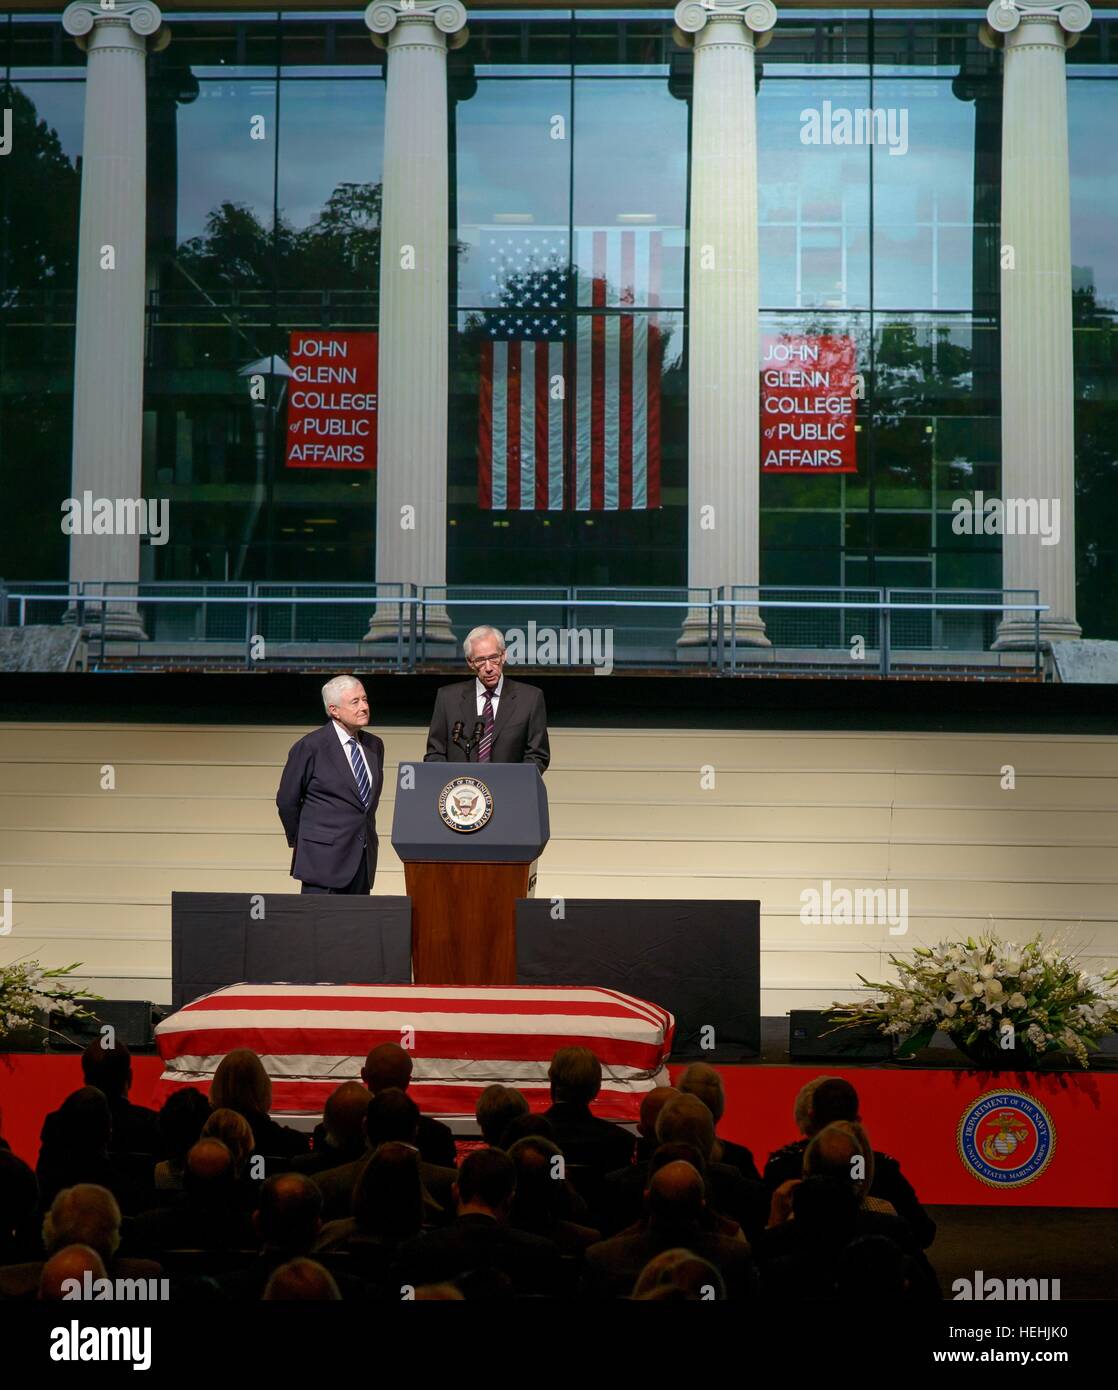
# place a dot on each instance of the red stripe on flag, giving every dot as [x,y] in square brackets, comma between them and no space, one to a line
[413,1005]
[485,430]
[512,453]
[310,1041]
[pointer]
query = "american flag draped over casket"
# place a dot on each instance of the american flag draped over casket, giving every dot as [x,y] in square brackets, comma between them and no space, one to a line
[311,1038]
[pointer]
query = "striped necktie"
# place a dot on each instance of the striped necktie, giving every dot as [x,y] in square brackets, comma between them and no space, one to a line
[359,772]
[486,744]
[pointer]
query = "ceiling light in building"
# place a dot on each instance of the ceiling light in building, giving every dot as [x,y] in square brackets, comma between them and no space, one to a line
[636,217]
[514,217]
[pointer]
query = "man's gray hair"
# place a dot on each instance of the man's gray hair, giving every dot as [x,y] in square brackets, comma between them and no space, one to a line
[85,1214]
[478,633]
[332,690]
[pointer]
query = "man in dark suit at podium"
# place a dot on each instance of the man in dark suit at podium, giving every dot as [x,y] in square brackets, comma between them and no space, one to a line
[504,721]
[328,795]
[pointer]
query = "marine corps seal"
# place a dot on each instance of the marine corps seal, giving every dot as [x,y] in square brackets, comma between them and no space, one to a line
[1006,1139]
[465,804]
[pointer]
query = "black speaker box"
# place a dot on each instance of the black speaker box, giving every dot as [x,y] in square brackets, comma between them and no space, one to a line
[812,1038]
[130,1018]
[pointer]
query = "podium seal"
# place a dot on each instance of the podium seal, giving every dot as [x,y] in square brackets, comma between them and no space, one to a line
[466,804]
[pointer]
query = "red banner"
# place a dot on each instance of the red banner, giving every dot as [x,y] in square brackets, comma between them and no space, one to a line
[332,400]
[807,404]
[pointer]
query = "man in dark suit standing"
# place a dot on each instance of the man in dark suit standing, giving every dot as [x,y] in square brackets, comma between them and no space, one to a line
[328,795]
[511,715]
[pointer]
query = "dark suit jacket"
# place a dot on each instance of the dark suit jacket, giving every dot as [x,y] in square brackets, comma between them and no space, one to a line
[319,805]
[792,1255]
[476,1241]
[519,726]
[22,1281]
[135,1128]
[188,1224]
[435,1142]
[587,1140]
[889,1183]
[727,1192]
[739,1157]
[613,1266]
[336,1186]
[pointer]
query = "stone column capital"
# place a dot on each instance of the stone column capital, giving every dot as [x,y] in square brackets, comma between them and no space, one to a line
[1003,17]
[118,18]
[425,19]
[693,16]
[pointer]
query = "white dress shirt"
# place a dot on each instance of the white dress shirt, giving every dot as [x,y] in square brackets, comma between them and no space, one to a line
[345,737]
[479,690]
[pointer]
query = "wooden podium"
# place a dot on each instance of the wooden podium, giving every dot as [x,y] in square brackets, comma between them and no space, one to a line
[469,836]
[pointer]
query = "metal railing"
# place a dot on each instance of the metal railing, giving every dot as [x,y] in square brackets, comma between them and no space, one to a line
[399,626]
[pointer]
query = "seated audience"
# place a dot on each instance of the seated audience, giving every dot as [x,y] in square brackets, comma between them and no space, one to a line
[389,1067]
[544,1200]
[438,1293]
[859,1139]
[576,1078]
[301,1281]
[85,1214]
[240,1083]
[480,1238]
[684,1119]
[820,1103]
[74,1147]
[526,1127]
[678,1276]
[19,1201]
[832,1224]
[180,1126]
[652,1102]
[872,1270]
[135,1127]
[340,1138]
[674,1218]
[287,1222]
[711,1219]
[72,1262]
[209,1213]
[700,1079]
[388,1210]
[235,1133]
[390,1117]
[496,1108]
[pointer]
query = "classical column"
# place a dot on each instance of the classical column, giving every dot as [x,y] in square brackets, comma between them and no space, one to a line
[722,330]
[1038,441]
[413,368]
[109,342]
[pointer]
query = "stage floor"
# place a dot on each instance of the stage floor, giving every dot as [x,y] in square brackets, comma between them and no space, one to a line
[913,1114]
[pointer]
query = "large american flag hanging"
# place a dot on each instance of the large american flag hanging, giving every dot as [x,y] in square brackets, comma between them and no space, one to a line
[593,445]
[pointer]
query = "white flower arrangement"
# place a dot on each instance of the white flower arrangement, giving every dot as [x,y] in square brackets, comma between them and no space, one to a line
[993,998]
[26,989]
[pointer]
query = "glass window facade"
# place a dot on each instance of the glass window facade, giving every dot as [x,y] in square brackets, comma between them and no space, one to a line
[569,145]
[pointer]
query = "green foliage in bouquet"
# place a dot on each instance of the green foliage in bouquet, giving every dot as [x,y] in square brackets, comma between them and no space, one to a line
[996,1000]
[26,989]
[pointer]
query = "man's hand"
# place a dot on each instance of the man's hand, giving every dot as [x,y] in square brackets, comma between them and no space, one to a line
[780,1210]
